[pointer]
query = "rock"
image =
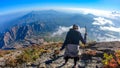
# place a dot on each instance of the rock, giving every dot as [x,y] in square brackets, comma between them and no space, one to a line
[7,38]
[43,65]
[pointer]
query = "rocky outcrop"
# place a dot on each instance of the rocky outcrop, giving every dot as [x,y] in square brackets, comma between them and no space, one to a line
[22,32]
[7,38]
[14,34]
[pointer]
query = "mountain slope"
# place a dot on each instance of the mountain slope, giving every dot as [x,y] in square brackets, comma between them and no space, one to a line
[37,24]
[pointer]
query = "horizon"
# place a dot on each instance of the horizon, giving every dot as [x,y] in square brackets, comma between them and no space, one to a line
[26,5]
[64,9]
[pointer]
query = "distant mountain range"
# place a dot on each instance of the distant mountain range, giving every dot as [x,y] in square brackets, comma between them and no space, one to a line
[31,24]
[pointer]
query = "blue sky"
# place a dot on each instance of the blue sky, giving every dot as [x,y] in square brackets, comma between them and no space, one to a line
[7,6]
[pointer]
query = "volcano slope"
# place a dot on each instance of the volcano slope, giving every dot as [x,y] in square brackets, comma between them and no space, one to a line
[92,56]
[48,56]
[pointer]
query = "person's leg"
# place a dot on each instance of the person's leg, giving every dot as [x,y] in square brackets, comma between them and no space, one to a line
[66,59]
[75,61]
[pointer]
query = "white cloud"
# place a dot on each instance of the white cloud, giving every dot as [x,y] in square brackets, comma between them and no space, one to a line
[82,30]
[111,36]
[96,12]
[102,21]
[106,39]
[63,29]
[111,28]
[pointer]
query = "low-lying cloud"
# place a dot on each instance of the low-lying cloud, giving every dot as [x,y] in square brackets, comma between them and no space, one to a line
[63,29]
[106,38]
[96,12]
[102,21]
[111,36]
[110,28]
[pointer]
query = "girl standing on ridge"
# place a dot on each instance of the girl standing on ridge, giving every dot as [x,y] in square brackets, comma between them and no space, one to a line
[71,44]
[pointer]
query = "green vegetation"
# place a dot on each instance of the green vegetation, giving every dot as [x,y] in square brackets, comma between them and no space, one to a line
[31,54]
[112,60]
[107,58]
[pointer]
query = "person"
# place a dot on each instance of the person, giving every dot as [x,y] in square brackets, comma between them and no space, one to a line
[71,44]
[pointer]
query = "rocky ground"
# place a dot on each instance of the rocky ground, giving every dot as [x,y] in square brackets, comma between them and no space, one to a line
[86,61]
[91,57]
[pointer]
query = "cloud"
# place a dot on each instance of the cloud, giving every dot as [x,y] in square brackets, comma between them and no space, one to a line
[110,28]
[110,35]
[107,39]
[102,21]
[63,29]
[96,12]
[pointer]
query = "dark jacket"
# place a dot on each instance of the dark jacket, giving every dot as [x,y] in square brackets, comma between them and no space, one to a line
[73,37]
